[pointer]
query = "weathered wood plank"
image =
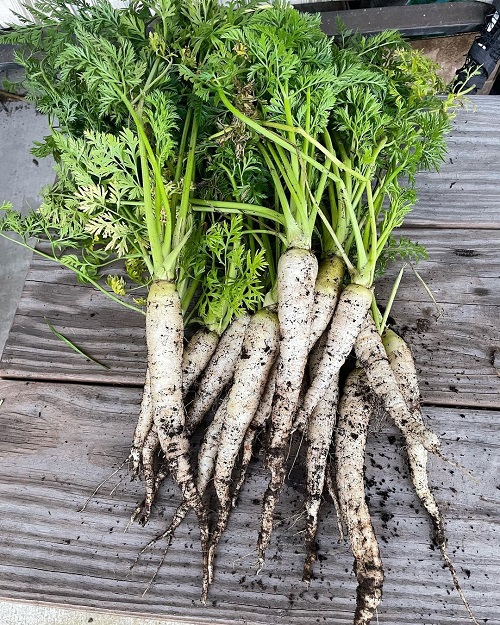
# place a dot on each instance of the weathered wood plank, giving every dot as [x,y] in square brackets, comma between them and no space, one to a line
[455,340]
[103,329]
[60,440]
[465,192]
[454,353]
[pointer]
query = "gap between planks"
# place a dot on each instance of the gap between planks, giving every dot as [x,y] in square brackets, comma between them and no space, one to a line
[459,225]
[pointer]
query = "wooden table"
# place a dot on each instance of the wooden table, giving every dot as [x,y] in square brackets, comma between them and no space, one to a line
[67,423]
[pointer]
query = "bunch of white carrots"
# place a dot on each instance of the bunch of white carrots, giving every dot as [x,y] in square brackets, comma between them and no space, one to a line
[250,172]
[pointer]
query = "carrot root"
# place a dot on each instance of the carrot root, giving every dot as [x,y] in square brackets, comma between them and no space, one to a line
[297,271]
[164,336]
[372,356]
[354,414]
[218,372]
[196,356]
[403,366]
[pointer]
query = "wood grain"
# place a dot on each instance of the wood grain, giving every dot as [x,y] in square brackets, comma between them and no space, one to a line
[464,193]
[60,440]
[454,352]
[101,328]
[455,340]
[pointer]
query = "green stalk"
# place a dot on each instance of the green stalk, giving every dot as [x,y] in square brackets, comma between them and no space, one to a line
[388,178]
[291,133]
[340,164]
[390,301]
[372,255]
[151,222]
[148,82]
[265,244]
[323,181]
[376,315]
[239,208]
[286,169]
[337,206]
[293,233]
[181,222]
[307,145]
[156,170]
[251,241]
[182,146]
[312,211]
[362,258]
[298,205]
[188,294]
[158,214]
[328,243]
[340,248]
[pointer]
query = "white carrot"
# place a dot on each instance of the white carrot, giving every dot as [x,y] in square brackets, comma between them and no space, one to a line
[218,372]
[258,353]
[196,356]
[350,313]
[144,423]
[319,427]
[141,512]
[331,489]
[403,366]
[297,271]
[258,422]
[209,447]
[372,357]
[326,293]
[149,451]
[206,461]
[350,441]
[164,335]
[318,438]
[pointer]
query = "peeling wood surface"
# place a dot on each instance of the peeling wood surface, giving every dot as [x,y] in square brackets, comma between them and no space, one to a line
[59,441]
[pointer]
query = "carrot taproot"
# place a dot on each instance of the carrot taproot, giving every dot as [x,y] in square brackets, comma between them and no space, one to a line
[297,271]
[373,358]
[196,356]
[355,409]
[402,364]
[258,354]
[319,432]
[261,416]
[144,423]
[354,302]
[164,336]
[218,372]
